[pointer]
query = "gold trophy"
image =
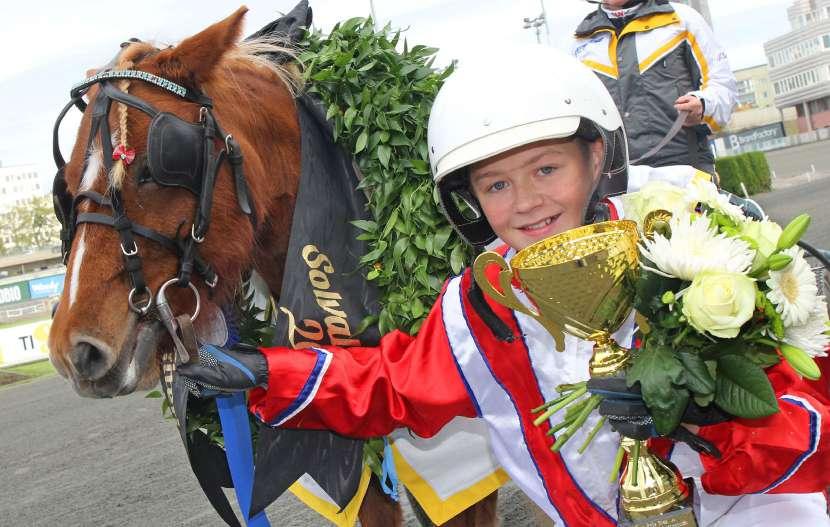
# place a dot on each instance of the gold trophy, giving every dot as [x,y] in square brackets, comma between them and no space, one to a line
[582,282]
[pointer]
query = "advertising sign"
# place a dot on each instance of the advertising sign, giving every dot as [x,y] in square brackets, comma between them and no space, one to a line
[11,293]
[46,287]
[24,342]
[754,135]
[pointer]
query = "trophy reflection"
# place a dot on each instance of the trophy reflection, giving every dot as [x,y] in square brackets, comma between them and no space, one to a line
[582,282]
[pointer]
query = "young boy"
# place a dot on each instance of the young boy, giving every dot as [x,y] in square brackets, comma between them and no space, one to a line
[522,149]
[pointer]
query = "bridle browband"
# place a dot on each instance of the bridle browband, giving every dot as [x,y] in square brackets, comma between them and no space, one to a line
[164,128]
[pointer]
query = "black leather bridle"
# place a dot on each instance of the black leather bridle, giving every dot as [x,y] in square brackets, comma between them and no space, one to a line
[179,153]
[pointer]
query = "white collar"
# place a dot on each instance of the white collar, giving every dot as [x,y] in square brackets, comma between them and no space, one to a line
[621,12]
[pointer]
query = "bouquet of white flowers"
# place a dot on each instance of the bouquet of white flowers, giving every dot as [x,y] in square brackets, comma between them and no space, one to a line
[721,297]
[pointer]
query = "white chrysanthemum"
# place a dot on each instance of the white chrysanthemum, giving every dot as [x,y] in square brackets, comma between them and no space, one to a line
[695,247]
[810,336]
[702,191]
[793,289]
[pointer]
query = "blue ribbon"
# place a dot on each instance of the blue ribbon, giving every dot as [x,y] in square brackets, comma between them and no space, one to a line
[389,473]
[233,414]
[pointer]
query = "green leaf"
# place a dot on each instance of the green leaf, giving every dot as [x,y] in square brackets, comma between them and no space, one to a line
[743,389]
[384,153]
[361,142]
[365,225]
[698,379]
[155,394]
[372,256]
[400,247]
[390,223]
[367,66]
[660,373]
[417,308]
[348,117]
[457,259]
[332,111]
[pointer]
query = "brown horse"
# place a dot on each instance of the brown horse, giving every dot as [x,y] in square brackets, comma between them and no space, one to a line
[101,342]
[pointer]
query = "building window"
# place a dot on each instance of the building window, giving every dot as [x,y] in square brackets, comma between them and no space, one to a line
[825,39]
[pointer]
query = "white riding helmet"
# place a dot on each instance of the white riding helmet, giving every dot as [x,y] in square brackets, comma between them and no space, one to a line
[508,98]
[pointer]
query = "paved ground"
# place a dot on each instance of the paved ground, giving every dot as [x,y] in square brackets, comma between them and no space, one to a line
[70,461]
[786,203]
[800,163]
[79,462]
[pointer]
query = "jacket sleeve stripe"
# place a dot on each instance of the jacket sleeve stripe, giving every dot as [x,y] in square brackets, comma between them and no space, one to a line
[662,51]
[700,58]
[703,64]
[601,68]
[445,299]
[309,390]
[815,426]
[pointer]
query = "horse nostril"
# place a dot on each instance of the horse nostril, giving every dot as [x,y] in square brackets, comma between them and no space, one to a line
[89,361]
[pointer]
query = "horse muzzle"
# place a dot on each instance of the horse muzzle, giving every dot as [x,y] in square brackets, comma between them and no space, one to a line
[98,371]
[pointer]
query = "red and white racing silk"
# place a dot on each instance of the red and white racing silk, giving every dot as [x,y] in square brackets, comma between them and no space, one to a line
[456,366]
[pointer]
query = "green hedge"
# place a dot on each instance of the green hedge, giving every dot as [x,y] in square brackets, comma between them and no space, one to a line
[750,168]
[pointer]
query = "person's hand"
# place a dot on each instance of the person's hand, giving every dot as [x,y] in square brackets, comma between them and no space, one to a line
[693,105]
[628,415]
[220,370]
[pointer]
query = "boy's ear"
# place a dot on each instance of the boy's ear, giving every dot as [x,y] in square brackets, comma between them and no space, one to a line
[597,148]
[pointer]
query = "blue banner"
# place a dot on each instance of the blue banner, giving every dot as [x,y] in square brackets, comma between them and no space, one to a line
[46,287]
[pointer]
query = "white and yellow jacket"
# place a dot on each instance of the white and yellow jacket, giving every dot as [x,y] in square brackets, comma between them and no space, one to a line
[664,51]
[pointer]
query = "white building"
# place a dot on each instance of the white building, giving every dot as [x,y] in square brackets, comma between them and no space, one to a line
[799,64]
[19,183]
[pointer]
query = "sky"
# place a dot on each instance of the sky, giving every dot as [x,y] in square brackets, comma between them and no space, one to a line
[43,56]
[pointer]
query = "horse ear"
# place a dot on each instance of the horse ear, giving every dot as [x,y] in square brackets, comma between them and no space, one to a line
[195,57]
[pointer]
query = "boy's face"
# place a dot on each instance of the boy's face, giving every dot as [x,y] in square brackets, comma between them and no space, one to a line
[537,190]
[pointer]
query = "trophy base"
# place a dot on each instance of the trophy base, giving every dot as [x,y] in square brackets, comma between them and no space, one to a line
[609,358]
[681,515]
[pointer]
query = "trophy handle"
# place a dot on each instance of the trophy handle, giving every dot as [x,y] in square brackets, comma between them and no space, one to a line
[507,297]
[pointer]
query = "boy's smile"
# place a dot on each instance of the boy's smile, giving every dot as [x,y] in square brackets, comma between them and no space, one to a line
[537,190]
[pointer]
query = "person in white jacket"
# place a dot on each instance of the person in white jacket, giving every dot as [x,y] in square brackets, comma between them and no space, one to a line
[658,58]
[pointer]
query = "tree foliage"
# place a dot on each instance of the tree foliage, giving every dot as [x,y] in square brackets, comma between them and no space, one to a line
[30,225]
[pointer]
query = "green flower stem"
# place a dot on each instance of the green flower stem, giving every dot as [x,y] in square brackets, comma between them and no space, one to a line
[579,392]
[557,427]
[615,470]
[574,409]
[550,403]
[593,402]
[591,436]
[679,338]
[570,387]
[767,342]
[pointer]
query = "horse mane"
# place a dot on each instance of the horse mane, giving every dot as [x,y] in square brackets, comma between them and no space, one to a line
[256,52]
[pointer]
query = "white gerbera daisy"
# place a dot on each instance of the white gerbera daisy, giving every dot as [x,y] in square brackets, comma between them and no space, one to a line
[793,289]
[810,336]
[695,247]
[702,191]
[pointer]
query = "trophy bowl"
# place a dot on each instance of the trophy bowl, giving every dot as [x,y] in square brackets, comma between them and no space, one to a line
[601,258]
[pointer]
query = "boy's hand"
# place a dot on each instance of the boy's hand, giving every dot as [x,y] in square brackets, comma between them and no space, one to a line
[693,105]
[628,415]
[225,370]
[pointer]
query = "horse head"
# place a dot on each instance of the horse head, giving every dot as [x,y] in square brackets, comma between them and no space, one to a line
[157,189]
